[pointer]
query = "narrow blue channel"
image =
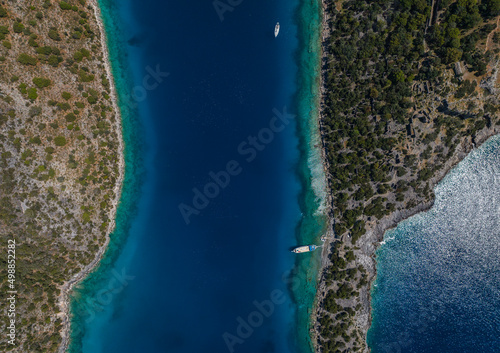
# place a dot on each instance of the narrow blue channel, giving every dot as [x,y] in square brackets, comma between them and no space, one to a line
[216,278]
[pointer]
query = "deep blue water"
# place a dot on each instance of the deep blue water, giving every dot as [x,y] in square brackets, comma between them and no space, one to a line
[190,280]
[438,274]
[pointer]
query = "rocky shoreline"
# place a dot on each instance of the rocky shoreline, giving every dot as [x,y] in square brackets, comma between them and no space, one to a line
[64,299]
[369,243]
[366,246]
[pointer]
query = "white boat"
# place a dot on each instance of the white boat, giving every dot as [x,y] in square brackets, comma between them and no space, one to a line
[306,248]
[276,30]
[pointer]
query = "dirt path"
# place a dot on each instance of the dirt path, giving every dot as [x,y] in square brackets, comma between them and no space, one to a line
[489,39]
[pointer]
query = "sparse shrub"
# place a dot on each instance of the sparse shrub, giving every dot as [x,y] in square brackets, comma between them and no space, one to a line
[18,27]
[22,88]
[64,5]
[41,82]
[78,56]
[44,50]
[63,106]
[70,117]
[85,77]
[3,32]
[54,35]
[53,61]
[32,93]
[86,217]
[60,141]
[36,140]
[25,59]
[32,41]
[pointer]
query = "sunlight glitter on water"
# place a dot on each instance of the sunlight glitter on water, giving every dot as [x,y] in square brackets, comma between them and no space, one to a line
[438,279]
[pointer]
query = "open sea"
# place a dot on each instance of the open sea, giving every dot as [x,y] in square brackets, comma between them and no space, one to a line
[223,178]
[438,273]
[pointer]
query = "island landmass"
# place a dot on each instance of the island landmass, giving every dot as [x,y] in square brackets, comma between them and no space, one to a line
[61,165]
[409,88]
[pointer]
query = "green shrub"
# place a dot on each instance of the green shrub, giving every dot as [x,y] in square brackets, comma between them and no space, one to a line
[86,217]
[3,32]
[36,140]
[66,95]
[18,27]
[54,35]
[85,77]
[32,41]
[93,92]
[70,117]
[60,141]
[3,12]
[78,56]
[64,5]
[63,106]
[32,93]
[44,50]
[41,82]
[53,61]
[22,88]
[7,44]
[25,59]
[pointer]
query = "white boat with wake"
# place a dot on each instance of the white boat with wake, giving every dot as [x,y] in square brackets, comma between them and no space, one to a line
[276,30]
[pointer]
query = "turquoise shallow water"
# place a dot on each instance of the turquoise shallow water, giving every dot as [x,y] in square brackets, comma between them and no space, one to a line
[163,281]
[438,280]
[310,168]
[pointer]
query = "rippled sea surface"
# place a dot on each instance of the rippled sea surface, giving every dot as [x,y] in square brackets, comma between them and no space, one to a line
[438,284]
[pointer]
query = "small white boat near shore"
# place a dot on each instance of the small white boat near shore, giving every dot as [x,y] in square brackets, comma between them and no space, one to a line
[276,29]
[306,248]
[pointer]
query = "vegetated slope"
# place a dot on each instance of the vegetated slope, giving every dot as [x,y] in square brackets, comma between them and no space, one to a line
[409,88]
[59,158]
